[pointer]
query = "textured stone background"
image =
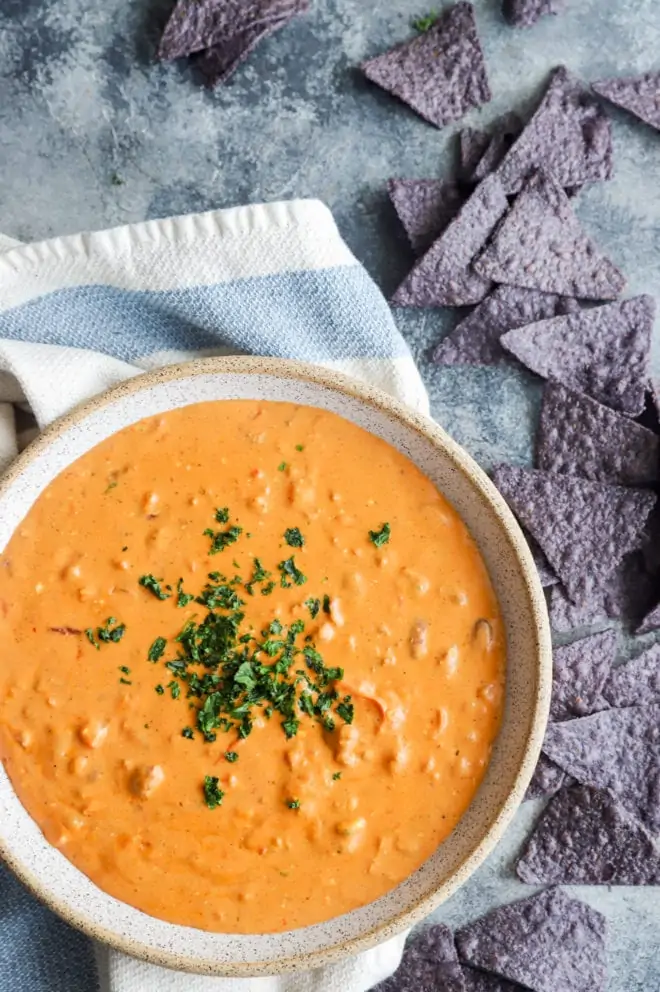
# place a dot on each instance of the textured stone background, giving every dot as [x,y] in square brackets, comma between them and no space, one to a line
[93,134]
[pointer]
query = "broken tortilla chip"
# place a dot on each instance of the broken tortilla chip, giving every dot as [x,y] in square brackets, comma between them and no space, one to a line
[548,943]
[616,749]
[195,25]
[583,528]
[579,436]
[476,339]
[637,682]
[424,207]
[640,95]
[525,13]
[602,351]
[429,962]
[569,137]
[586,837]
[443,276]
[441,73]
[540,244]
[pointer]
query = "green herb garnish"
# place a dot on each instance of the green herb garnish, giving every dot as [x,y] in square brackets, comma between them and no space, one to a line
[380,537]
[425,22]
[326,604]
[154,586]
[157,649]
[160,690]
[294,538]
[213,795]
[222,515]
[89,634]
[293,803]
[300,447]
[313,605]
[221,539]
[231,756]
[174,688]
[183,598]
[281,467]
[290,573]
[125,681]
[346,710]
[336,776]
[188,732]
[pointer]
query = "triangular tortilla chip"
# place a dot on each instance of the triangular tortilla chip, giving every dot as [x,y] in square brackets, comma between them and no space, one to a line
[637,683]
[441,73]
[548,778]
[424,207]
[472,146]
[525,13]
[602,351]
[638,94]
[580,670]
[484,981]
[583,528]
[579,436]
[476,339]
[429,962]
[195,25]
[443,276]
[569,136]
[218,63]
[549,943]
[540,244]
[586,837]
[617,749]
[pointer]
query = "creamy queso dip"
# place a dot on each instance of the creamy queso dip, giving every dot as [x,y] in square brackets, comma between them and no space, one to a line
[252,666]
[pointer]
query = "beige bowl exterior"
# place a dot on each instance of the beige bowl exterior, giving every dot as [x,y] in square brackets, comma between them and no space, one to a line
[529,671]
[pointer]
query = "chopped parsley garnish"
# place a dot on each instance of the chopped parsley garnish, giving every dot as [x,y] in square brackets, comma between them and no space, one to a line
[160,690]
[124,669]
[183,598]
[174,688]
[259,575]
[380,537]
[154,586]
[222,516]
[125,681]
[221,539]
[188,732]
[346,710]
[425,22]
[290,573]
[281,467]
[213,795]
[111,485]
[293,803]
[293,537]
[267,589]
[157,649]
[110,633]
[231,756]
[326,604]
[300,447]
[336,776]
[313,605]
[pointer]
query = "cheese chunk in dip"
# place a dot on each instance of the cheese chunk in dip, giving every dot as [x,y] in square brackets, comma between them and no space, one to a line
[252,666]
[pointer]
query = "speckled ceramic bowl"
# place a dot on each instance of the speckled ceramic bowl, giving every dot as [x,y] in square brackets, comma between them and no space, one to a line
[67,891]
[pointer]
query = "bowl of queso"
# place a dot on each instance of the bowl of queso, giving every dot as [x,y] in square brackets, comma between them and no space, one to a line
[275,667]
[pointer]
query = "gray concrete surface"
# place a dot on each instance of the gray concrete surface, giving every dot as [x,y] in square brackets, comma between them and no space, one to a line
[93,133]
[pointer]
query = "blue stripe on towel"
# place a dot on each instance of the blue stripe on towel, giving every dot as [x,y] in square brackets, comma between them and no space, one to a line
[306,315]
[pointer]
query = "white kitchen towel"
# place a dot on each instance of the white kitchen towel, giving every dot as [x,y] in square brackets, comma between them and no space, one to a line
[81,313]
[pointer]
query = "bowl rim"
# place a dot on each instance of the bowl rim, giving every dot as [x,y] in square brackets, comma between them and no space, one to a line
[535,605]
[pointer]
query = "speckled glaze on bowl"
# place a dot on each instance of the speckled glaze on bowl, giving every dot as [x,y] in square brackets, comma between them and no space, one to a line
[68,892]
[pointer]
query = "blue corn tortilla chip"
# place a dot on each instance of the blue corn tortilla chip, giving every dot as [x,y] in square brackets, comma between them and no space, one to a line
[540,244]
[546,575]
[616,749]
[481,153]
[476,339]
[580,670]
[484,981]
[650,622]
[548,778]
[219,62]
[429,962]
[548,943]
[525,13]
[586,837]
[569,136]
[628,594]
[425,207]
[638,94]
[579,436]
[637,682]
[601,351]
[443,276]
[583,528]
[195,25]
[441,73]
[650,416]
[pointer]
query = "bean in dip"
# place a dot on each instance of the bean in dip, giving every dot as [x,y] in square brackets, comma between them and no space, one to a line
[252,666]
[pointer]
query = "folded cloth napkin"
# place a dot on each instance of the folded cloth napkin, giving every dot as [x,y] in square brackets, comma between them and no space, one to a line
[81,313]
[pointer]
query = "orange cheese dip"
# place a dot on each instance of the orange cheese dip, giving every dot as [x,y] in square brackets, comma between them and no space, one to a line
[378,610]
